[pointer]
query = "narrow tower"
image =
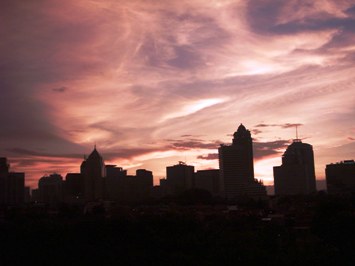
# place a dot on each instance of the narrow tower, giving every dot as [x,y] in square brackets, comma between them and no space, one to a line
[93,171]
[237,167]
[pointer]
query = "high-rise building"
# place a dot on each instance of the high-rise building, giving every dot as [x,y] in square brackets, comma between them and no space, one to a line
[4,166]
[180,177]
[340,177]
[74,188]
[208,180]
[50,188]
[117,183]
[12,185]
[127,188]
[296,175]
[142,184]
[237,167]
[93,171]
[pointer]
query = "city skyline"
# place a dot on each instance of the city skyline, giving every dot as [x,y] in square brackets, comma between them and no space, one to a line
[156,83]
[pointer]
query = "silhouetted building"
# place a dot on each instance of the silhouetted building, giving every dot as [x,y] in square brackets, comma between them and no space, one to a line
[180,177]
[163,189]
[27,197]
[35,195]
[143,184]
[4,166]
[341,177]
[50,188]
[237,167]
[74,187]
[114,171]
[127,188]
[12,185]
[208,180]
[93,171]
[117,183]
[296,175]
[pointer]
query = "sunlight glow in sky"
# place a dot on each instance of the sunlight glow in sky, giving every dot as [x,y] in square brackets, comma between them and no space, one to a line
[157,82]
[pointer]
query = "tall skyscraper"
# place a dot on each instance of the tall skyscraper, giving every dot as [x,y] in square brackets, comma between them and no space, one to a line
[117,183]
[180,177]
[142,184]
[340,177]
[237,167]
[93,171]
[74,188]
[12,185]
[50,188]
[208,180]
[4,166]
[296,175]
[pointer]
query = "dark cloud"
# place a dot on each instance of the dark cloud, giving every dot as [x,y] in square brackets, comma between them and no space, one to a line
[260,150]
[201,32]
[210,156]
[185,58]
[323,22]
[262,15]
[265,125]
[39,48]
[27,152]
[123,153]
[286,125]
[256,131]
[50,162]
[191,136]
[265,149]
[61,89]
[129,153]
[195,144]
[25,158]
[351,10]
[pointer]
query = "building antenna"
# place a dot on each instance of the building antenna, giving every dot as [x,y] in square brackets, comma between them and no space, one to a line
[297,139]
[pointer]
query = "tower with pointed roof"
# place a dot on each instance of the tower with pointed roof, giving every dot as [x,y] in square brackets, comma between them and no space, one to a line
[93,171]
[237,167]
[296,175]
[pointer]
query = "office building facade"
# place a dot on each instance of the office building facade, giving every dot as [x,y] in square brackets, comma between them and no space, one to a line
[340,177]
[296,175]
[237,167]
[93,171]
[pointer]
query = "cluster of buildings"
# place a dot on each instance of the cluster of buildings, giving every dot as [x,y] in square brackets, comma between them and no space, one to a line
[234,179]
[12,185]
[96,181]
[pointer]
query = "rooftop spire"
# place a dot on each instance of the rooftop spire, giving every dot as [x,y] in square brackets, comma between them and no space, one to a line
[241,128]
[297,139]
[241,134]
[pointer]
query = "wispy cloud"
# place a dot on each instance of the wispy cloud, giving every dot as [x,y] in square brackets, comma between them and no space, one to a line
[210,156]
[130,74]
[286,125]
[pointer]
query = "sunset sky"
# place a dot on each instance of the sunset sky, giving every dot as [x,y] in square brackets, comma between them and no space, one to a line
[157,82]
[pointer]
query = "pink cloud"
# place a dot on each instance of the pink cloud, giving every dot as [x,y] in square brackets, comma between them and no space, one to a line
[128,75]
